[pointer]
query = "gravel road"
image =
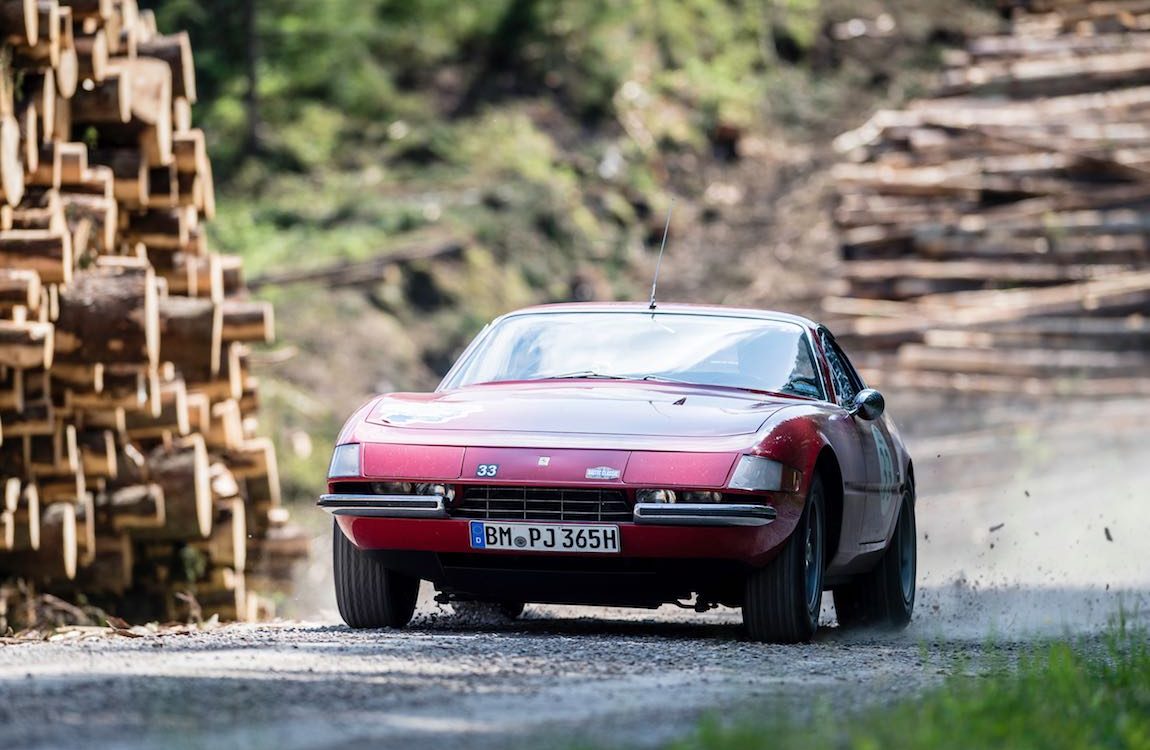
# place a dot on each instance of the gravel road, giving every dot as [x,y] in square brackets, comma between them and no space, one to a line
[550,679]
[1029,524]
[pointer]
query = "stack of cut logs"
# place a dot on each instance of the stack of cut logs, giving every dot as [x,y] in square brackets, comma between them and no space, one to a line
[129,468]
[996,237]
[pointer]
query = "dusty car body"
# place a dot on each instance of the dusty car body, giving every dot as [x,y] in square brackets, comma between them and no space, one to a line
[619,455]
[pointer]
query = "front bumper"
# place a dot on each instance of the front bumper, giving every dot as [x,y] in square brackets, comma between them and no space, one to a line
[704,514]
[659,514]
[385,506]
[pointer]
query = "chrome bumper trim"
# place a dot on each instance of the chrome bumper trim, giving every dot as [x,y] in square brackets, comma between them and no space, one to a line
[384,506]
[703,514]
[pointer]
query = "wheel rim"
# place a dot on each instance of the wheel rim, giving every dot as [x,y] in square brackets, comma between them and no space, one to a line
[813,557]
[906,551]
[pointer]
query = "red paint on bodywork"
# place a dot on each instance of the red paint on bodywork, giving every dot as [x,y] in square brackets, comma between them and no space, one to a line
[650,469]
[412,461]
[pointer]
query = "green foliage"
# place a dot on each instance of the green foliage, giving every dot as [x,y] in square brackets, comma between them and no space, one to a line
[1062,696]
[542,134]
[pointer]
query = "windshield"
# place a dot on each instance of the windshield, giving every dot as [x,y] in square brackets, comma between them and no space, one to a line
[736,352]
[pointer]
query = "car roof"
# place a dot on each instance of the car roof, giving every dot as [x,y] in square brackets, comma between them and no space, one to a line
[666,307]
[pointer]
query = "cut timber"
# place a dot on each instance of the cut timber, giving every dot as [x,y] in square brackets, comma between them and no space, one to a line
[27,519]
[36,418]
[19,287]
[183,473]
[229,382]
[162,229]
[151,107]
[11,167]
[99,210]
[110,317]
[189,151]
[175,50]
[19,21]
[73,162]
[57,555]
[25,345]
[137,506]
[53,454]
[1024,362]
[29,122]
[11,392]
[39,90]
[48,169]
[191,335]
[92,56]
[248,321]
[225,431]
[129,173]
[44,50]
[227,546]
[172,420]
[110,568]
[98,453]
[107,102]
[46,252]
[40,209]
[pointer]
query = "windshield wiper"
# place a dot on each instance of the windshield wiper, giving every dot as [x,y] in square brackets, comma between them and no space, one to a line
[583,375]
[665,379]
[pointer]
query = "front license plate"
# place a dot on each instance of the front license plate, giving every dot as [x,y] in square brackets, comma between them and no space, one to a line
[544,537]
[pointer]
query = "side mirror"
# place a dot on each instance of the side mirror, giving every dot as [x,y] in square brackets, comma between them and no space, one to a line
[868,404]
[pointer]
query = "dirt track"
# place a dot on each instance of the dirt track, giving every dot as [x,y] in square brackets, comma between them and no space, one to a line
[1030,526]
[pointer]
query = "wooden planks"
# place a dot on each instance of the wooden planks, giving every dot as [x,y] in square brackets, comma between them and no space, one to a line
[126,401]
[1001,229]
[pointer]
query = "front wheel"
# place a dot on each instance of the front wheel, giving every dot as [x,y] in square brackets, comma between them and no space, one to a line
[368,594]
[782,601]
[884,597]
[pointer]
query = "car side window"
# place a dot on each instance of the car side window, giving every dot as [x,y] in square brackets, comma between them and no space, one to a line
[846,382]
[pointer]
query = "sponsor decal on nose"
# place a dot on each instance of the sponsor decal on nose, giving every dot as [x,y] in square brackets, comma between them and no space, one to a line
[545,460]
[603,472]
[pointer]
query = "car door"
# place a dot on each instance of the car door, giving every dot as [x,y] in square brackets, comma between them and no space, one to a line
[878,480]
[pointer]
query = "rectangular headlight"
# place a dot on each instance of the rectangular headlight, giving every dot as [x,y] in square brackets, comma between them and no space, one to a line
[758,474]
[345,461]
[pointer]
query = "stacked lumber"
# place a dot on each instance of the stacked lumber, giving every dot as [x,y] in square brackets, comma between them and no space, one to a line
[996,237]
[130,468]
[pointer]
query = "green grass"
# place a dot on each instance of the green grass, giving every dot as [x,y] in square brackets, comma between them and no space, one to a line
[1058,696]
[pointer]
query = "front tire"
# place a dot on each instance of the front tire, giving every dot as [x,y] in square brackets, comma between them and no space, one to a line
[782,601]
[368,594]
[884,597]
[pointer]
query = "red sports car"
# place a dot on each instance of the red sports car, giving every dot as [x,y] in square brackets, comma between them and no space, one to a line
[613,454]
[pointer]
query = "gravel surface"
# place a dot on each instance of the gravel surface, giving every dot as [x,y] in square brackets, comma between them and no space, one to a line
[551,678]
[1030,527]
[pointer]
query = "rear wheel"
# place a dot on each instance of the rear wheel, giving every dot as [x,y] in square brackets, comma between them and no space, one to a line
[884,597]
[782,601]
[368,594]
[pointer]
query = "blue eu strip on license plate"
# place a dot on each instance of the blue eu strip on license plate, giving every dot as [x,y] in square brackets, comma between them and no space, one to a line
[545,537]
[477,539]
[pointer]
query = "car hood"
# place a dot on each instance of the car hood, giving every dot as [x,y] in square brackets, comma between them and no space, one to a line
[600,408]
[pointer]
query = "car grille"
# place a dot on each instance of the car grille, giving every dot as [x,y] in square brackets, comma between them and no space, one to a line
[542,504]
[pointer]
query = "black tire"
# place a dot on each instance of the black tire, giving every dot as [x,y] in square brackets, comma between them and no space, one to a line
[489,610]
[782,601]
[884,597]
[368,594]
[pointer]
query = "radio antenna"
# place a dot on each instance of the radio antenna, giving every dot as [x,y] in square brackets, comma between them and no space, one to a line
[662,247]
